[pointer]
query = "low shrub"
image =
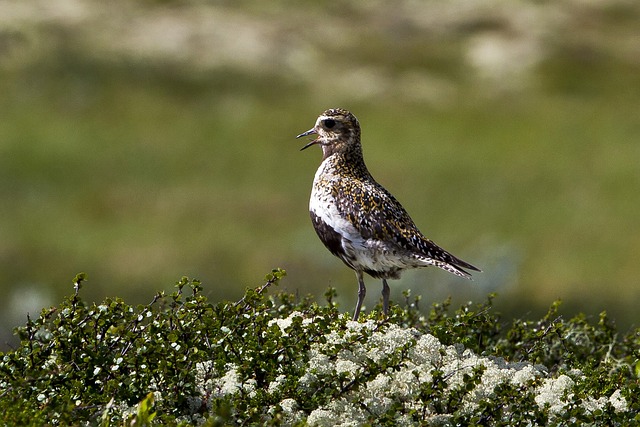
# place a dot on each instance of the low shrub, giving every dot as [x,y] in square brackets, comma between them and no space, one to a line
[277,359]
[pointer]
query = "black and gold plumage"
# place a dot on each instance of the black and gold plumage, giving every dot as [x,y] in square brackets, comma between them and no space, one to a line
[358,220]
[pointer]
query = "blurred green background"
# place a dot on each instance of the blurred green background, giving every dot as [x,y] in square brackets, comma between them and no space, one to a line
[144,141]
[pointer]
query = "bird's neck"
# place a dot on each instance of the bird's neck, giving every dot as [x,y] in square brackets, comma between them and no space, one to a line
[349,161]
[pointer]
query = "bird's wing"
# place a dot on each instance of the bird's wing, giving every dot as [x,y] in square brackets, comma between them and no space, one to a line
[379,216]
[383,218]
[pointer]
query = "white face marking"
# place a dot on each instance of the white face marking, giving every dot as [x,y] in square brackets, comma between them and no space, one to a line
[318,125]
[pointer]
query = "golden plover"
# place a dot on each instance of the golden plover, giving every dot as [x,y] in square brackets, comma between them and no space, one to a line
[358,220]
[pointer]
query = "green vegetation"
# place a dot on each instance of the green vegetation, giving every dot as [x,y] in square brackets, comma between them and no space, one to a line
[140,141]
[274,358]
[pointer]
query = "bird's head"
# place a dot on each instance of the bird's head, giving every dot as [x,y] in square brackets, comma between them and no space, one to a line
[338,131]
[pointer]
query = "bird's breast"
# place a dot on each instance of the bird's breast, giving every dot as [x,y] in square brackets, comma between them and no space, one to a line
[336,229]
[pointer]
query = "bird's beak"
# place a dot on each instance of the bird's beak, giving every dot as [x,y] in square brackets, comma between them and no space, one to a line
[309,132]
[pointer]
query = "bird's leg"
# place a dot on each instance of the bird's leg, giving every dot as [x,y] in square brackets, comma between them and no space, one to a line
[385,297]
[362,291]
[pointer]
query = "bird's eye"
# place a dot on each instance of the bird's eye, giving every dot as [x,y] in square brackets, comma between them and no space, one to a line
[329,123]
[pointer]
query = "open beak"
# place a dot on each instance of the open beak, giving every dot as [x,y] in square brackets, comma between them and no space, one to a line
[309,132]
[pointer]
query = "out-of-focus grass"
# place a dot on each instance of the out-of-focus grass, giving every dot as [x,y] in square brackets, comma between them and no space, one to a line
[138,177]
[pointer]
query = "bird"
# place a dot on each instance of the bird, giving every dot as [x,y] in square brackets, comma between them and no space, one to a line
[358,220]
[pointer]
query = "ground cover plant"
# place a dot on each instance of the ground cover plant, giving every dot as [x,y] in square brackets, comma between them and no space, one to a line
[274,358]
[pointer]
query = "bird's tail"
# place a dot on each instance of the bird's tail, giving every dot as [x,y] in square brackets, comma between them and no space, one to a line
[440,258]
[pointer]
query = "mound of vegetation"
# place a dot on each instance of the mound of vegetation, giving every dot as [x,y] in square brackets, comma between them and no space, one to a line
[277,359]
